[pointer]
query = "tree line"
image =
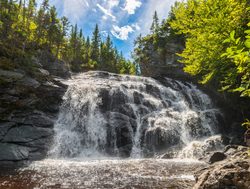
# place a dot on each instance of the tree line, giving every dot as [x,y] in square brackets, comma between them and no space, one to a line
[25,29]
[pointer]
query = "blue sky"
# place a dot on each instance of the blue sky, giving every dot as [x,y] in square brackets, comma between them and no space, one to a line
[124,20]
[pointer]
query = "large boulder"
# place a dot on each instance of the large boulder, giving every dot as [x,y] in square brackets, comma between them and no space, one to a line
[233,172]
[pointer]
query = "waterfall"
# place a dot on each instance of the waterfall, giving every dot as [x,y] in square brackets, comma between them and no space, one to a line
[106,114]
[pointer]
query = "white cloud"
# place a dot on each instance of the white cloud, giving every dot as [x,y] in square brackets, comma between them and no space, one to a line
[113,3]
[151,6]
[122,33]
[106,12]
[132,5]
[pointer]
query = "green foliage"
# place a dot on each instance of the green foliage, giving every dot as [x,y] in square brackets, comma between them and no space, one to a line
[24,29]
[206,25]
[239,54]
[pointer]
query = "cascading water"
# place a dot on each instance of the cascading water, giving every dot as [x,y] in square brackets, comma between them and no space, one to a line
[105,114]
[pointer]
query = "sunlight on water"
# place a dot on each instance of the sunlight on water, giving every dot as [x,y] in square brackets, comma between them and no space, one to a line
[116,173]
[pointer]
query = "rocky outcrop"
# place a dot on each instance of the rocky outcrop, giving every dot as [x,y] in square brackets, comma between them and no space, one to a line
[233,172]
[29,103]
[54,66]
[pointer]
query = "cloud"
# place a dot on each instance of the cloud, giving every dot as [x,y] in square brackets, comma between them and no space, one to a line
[106,12]
[113,3]
[122,33]
[132,5]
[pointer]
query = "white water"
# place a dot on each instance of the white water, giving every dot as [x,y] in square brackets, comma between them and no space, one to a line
[105,114]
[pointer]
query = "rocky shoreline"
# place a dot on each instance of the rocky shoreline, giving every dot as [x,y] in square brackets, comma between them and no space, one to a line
[230,172]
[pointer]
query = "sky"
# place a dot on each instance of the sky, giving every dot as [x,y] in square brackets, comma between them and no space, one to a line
[123,20]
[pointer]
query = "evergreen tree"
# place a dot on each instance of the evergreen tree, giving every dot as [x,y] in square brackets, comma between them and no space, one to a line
[95,45]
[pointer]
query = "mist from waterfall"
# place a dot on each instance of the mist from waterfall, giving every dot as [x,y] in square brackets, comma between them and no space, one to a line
[106,114]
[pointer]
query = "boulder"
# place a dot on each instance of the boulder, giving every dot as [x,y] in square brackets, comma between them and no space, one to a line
[232,172]
[226,174]
[217,156]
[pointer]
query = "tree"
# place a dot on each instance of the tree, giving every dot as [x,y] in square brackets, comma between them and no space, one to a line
[95,45]
[42,22]
[206,24]
[155,25]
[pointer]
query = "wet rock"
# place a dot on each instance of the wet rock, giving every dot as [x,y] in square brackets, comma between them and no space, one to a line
[13,152]
[35,118]
[233,172]
[5,127]
[25,134]
[216,156]
[159,139]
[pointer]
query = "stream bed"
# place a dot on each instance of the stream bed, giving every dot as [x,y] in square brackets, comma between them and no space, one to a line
[109,173]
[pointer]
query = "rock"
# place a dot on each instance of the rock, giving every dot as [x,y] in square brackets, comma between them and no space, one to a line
[13,152]
[158,139]
[169,155]
[5,127]
[29,82]
[26,134]
[225,174]
[52,65]
[10,75]
[232,172]
[44,72]
[217,156]
[35,118]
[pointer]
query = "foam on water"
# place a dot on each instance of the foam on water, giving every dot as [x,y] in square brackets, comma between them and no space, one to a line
[156,116]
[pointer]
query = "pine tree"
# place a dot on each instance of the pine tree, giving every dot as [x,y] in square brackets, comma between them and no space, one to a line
[155,25]
[95,45]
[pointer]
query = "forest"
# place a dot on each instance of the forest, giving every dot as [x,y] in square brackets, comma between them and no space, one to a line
[25,29]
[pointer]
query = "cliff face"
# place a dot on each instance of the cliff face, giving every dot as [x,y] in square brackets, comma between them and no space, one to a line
[29,104]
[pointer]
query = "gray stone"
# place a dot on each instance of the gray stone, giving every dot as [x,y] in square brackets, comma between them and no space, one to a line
[13,152]
[4,128]
[10,75]
[44,72]
[29,82]
[35,118]
[25,134]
